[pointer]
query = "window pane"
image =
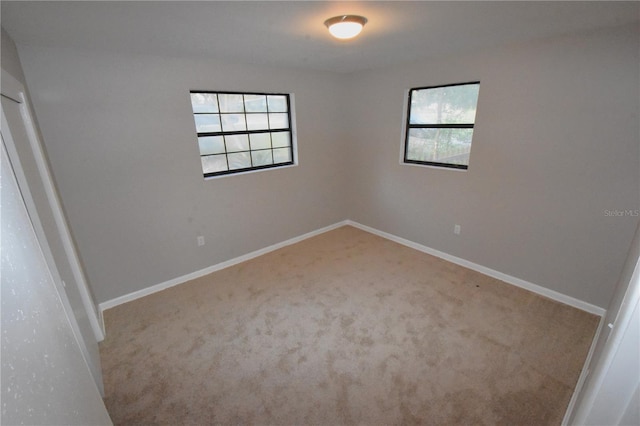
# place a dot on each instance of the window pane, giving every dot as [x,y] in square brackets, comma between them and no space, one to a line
[255,103]
[230,103]
[257,122]
[239,160]
[207,123]
[444,105]
[278,121]
[214,163]
[280,139]
[233,122]
[451,146]
[260,140]
[277,103]
[238,131]
[211,145]
[282,155]
[237,143]
[204,102]
[261,158]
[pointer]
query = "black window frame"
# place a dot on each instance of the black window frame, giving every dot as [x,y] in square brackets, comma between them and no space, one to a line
[248,132]
[409,126]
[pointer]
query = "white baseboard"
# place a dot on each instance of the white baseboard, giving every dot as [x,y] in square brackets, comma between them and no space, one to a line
[202,272]
[543,291]
[551,294]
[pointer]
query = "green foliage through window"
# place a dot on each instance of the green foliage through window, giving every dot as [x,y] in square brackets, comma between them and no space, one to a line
[440,123]
[238,132]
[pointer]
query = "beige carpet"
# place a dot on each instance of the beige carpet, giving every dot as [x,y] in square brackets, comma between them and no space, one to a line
[343,328]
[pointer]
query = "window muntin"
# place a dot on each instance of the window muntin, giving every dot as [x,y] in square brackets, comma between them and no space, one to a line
[239,132]
[439,128]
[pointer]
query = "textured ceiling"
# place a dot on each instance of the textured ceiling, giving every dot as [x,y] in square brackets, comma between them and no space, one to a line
[292,33]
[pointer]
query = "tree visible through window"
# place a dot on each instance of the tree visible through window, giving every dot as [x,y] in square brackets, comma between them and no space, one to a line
[440,124]
[238,132]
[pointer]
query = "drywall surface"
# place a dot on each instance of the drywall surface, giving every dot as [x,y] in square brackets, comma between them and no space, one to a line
[552,191]
[10,60]
[120,136]
[555,159]
[45,380]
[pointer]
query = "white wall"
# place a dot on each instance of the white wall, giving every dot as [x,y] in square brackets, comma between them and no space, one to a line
[121,140]
[616,401]
[45,379]
[555,145]
[610,393]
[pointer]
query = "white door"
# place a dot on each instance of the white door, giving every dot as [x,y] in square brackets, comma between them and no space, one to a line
[44,376]
[34,179]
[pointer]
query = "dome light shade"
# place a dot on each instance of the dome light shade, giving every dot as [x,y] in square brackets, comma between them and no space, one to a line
[345,26]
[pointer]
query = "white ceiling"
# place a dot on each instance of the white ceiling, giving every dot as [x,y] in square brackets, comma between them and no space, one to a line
[293,34]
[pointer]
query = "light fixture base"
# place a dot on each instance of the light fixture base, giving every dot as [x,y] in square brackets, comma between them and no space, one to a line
[345,26]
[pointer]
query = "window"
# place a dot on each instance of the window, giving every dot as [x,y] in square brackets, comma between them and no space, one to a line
[440,124]
[238,132]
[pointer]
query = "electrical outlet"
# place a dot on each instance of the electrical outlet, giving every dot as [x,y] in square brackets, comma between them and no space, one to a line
[456,229]
[200,241]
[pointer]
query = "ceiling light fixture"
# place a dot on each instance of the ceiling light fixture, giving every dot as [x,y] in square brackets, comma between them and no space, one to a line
[345,26]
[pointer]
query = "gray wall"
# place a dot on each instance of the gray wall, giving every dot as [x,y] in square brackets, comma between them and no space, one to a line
[121,140]
[10,59]
[556,144]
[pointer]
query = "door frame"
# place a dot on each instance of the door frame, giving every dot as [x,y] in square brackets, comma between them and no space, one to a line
[11,91]
[15,91]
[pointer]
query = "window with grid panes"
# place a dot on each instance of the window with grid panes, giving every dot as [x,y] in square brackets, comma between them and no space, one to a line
[239,132]
[440,122]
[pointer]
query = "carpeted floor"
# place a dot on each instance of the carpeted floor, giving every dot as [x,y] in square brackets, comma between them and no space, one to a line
[343,328]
